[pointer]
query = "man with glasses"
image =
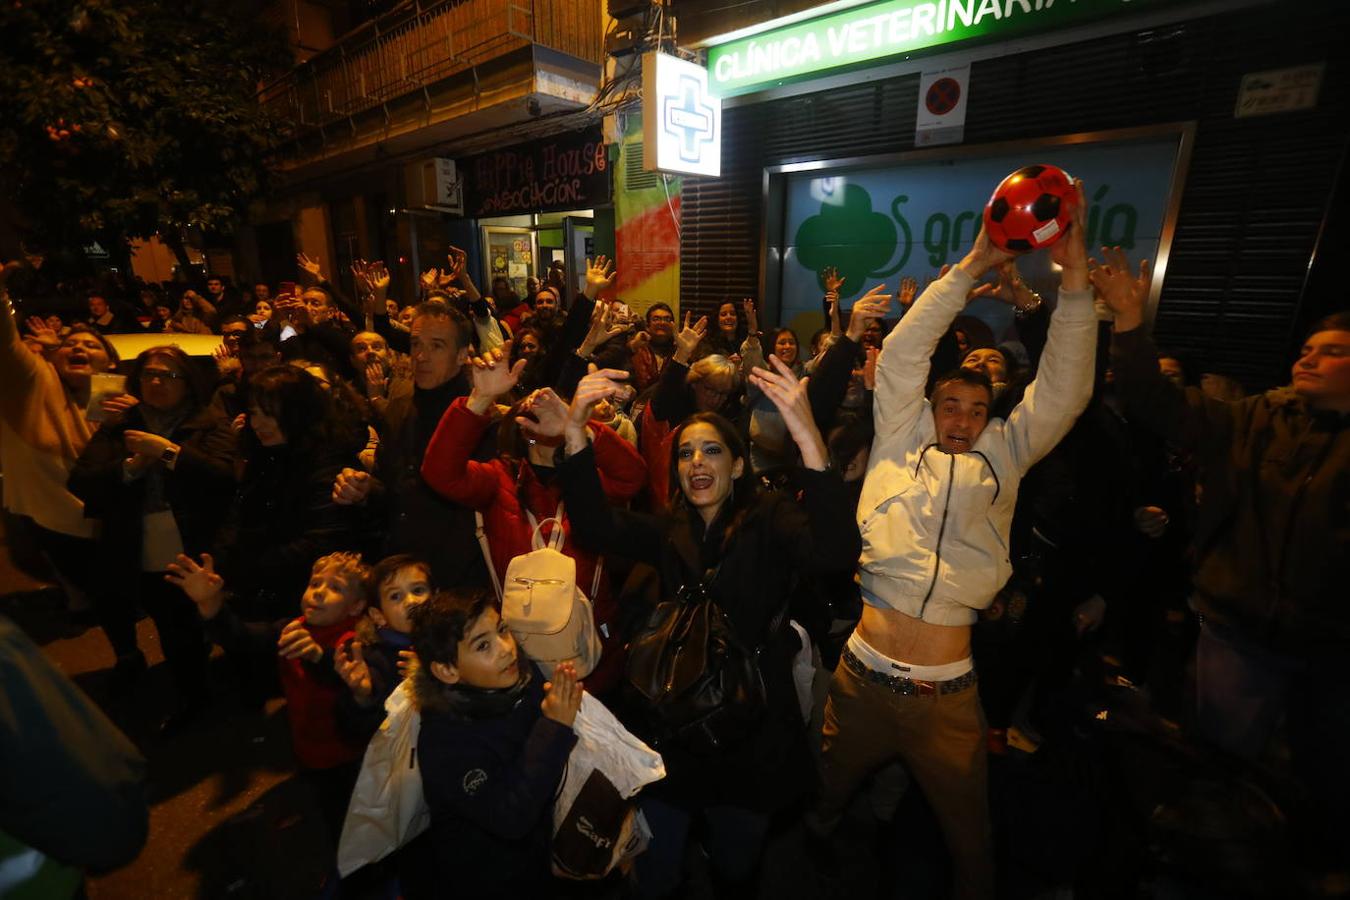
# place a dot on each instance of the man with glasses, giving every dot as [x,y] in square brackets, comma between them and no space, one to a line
[653,348]
[251,350]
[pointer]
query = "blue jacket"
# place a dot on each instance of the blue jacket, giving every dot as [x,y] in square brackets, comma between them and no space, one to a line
[490,784]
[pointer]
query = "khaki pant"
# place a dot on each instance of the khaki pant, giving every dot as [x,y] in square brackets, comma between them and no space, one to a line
[941,740]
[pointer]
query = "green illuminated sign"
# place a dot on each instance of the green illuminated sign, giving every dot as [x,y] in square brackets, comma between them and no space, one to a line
[888,28]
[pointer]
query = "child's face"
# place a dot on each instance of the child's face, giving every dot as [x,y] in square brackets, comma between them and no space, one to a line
[399,593]
[487,655]
[329,599]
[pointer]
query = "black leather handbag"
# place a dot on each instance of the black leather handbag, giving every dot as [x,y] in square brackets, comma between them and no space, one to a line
[699,685]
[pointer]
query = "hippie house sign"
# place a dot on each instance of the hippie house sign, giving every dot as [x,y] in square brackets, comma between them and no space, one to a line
[569,171]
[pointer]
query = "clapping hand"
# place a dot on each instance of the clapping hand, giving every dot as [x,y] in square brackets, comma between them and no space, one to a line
[200,582]
[297,643]
[562,695]
[351,487]
[547,415]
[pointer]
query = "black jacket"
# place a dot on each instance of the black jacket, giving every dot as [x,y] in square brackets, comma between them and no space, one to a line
[282,519]
[198,488]
[779,538]
[411,516]
[1273,531]
[490,784]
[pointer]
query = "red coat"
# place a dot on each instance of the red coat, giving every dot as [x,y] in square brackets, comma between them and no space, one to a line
[313,691]
[491,488]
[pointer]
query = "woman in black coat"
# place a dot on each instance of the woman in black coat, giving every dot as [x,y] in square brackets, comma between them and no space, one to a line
[283,516]
[747,549]
[160,481]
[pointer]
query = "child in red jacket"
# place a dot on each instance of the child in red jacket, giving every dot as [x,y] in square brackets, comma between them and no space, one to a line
[333,599]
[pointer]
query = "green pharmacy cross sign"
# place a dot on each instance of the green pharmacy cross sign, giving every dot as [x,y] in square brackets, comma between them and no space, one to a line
[879,30]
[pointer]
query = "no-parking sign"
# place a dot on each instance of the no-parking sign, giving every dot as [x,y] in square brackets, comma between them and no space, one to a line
[941,117]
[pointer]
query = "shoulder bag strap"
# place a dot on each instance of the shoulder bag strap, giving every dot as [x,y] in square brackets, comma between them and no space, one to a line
[487,554]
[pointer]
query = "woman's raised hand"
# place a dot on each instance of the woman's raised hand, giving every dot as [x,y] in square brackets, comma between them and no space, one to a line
[788,394]
[872,305]
[689,337]
[547,414]
[751,316]
[493,375]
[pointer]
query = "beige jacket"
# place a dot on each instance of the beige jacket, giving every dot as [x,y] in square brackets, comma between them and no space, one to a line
[42,432]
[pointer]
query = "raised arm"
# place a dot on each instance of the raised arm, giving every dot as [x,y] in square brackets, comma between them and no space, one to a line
[1063,381]
[447,466]
[1186,417]
[20,368]
[596,525]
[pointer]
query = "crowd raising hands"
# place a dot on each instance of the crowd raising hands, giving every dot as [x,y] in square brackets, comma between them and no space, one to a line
[888,492]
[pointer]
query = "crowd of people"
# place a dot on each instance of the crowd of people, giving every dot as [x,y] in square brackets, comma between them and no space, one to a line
[906,528]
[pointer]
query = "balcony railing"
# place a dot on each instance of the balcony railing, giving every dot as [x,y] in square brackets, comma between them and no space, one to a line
[419,44]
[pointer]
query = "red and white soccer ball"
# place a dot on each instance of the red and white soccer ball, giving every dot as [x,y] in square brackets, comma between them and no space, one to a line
[1030,209]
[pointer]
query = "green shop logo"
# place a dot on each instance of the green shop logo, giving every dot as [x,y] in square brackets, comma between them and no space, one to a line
[863,243]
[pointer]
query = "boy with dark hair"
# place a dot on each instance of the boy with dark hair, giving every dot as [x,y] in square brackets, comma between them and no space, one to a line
[375,659]
[493,746]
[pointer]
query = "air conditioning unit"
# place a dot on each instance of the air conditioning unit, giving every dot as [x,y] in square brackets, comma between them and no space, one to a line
[435,184]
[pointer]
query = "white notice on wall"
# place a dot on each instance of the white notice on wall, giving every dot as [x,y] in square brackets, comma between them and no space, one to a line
[1279,90]
[941,117]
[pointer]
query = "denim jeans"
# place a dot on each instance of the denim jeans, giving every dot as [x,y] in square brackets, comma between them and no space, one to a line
[1243,690]
[735,842]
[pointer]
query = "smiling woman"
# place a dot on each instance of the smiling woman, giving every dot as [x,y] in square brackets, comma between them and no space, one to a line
[742,551]
[42,432]
[158,479]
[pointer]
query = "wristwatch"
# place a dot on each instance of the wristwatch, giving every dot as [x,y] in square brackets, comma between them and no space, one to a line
[169,456]
[1023,312]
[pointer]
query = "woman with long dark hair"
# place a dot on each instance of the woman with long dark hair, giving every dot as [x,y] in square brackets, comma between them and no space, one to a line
[283,516]
[744,550]
[159,482]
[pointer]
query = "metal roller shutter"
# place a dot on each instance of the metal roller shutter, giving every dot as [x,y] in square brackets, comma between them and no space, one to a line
[1256,196]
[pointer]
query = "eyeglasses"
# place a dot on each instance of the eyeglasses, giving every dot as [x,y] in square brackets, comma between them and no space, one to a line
[233,335]
[161,374]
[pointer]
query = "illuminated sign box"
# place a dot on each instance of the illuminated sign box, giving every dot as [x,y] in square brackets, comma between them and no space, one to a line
[867,33]
[681,118]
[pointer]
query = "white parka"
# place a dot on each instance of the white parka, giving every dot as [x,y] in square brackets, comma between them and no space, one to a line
[935,525]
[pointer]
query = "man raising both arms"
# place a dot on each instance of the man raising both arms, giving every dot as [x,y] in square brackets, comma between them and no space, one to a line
[936,508]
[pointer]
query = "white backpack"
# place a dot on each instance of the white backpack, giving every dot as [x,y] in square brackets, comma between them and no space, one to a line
[552,620]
